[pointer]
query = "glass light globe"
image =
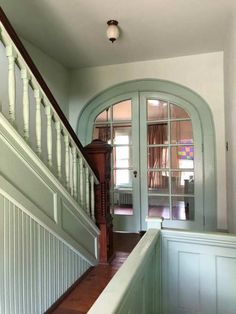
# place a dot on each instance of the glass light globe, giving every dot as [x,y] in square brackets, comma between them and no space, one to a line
[112,30]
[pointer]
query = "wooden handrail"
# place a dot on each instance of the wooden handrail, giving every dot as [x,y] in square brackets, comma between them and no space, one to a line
[25,55]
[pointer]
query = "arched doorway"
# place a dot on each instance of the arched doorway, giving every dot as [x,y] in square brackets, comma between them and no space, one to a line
[159,164]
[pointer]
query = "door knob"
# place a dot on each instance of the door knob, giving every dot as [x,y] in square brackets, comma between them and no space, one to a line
[135,173]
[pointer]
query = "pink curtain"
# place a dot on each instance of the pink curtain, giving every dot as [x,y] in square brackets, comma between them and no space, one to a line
[158,156]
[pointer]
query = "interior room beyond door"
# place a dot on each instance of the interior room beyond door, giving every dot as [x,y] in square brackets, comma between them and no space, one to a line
[156,161]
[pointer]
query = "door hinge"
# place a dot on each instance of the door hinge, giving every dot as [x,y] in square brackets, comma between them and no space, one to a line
[204,220]
[202,147]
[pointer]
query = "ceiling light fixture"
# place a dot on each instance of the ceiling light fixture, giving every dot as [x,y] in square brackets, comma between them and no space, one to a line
[112,30]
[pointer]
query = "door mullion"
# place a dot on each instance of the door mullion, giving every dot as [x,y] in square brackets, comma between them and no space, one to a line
[169,154]
[136,160]
[112,166]
[143,160]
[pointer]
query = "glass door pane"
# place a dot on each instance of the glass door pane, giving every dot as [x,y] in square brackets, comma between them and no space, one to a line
[117,125]
[169,165]
[123,196]
[125,162]
[122,168]
[156,161]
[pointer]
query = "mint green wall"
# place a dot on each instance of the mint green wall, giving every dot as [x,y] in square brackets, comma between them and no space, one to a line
[201,73]
[230,114]
[55,75]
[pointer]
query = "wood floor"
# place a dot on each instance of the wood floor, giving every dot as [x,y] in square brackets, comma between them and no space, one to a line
[178,211]
[87,291]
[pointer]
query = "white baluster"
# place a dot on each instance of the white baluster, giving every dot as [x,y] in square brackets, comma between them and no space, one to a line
[49,134]
[78,174]
[87,191]
[11,55]
[74,171]
[81,181]
[71,170]
[58,132]
[67,162]
[25,78]
[92,197]
[38,121]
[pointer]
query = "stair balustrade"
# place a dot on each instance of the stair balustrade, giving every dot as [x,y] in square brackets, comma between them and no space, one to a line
[48,238]
[62,153]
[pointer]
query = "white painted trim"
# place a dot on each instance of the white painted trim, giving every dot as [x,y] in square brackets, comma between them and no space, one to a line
[27,155]
[52,219]
[198,271]
[207,238]
[24,204]
[154,222]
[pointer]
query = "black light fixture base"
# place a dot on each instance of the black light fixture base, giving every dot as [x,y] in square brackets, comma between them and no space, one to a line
[112,22]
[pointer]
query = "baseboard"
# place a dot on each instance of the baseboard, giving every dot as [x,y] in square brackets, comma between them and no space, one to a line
[68,291]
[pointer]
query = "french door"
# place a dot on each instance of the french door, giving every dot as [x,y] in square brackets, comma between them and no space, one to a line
[156,160]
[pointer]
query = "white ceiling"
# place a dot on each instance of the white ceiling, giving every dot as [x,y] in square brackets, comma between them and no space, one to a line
[74,31]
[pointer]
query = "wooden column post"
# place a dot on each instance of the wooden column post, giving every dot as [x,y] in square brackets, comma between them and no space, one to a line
[99,153]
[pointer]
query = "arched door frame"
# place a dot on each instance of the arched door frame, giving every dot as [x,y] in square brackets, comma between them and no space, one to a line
[117,93]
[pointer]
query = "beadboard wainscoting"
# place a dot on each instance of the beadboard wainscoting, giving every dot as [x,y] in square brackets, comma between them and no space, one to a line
[47,241]
[36,266]
[25,178]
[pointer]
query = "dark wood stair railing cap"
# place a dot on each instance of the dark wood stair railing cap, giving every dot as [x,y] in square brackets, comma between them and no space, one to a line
[16,40]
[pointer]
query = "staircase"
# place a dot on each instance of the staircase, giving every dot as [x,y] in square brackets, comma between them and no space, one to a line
[48,236]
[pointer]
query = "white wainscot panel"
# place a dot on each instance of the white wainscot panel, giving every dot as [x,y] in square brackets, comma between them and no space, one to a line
[36,267]
[76,228]
[226,284]
[189,272]
[198,273]
[184,283]
[19,173]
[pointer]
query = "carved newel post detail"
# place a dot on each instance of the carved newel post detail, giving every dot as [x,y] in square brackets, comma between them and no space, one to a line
[99,153]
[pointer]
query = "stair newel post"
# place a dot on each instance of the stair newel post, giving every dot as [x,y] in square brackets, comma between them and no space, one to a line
[99,153]
[49,134]
[11,55]
[92,200]
[58,136]
[67,161]
[25,78]
[38,121]
[74,171]
[87,191]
